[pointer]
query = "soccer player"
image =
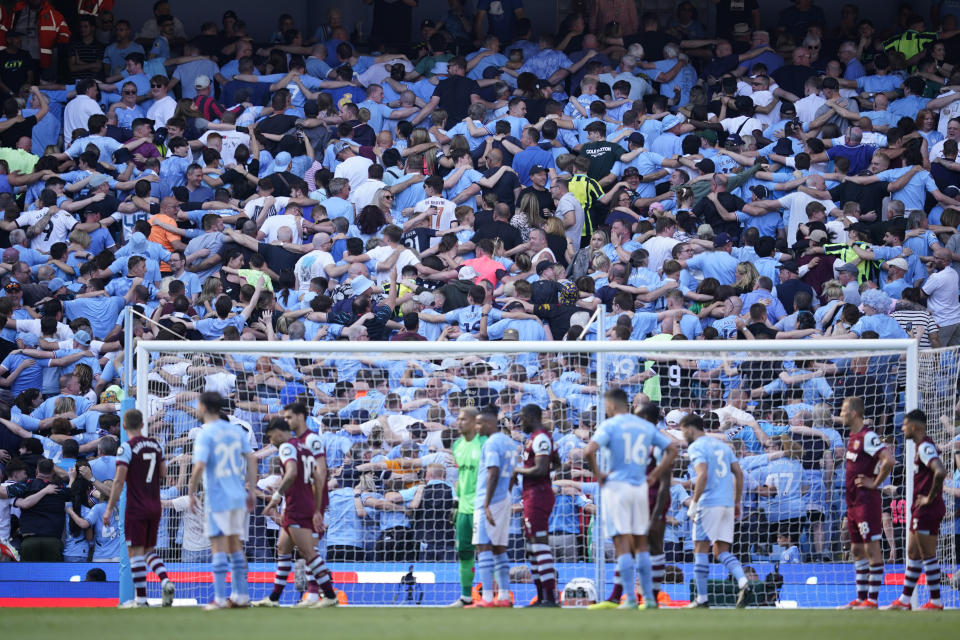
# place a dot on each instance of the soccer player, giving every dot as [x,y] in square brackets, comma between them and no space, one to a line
[141,467]
[714,507]
[301,513]
[868,462]
[223,460]
[928,511]
[466,451]
[538,498]
[659,498]
[491,516]
[629,441]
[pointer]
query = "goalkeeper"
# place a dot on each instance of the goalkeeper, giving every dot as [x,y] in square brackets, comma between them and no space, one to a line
[466,452]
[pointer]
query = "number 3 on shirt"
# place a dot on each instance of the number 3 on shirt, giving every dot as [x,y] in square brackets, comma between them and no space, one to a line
[722,467]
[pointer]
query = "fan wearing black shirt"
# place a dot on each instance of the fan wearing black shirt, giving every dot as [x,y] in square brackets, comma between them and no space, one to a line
[453,94]
[499,227]
[500,179]
[719,208]
[538,178]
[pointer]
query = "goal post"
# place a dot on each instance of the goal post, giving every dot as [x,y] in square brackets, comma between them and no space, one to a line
[401,406]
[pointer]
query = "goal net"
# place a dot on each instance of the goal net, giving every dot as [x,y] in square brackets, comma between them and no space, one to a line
[388,418]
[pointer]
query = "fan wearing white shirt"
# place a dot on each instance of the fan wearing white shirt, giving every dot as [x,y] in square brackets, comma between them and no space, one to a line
[319,263]
[163,106]
[443,216]
[744,124]
[78,111]
[48,225]
[387,256]
[353,167]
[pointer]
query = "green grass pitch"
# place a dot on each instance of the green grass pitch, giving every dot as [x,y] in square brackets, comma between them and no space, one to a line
[420,623]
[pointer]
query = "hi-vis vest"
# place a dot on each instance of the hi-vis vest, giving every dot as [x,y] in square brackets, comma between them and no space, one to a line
[52,29]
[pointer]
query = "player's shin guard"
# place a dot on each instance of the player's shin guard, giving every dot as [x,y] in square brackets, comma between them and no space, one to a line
[701,571]
[658,565]
[731,564]
[625,565]
[321,575]
[931,566]
[548,574]
[501,568]
[239,588]
[220,565]
[876,579]
[466,574]
[534,570]
[156,565]
[910,577]
[485,574]
[645,573]
[138,570]
[280,577]
[862,569]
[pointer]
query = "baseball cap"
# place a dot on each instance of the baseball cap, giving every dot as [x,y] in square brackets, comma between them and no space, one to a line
[817,235]
[424,297]
[491,72]
[511,334]
[467,273]
[706,166]
[631,171]
[674,417]
[760,191]
[636,138]
[82,337]
[56,284]
[360,284]
[722,239]
[789,265]
[97,180]
[537,168]
[899,263]
[848,268]
[544,265]
[340,146]
[741,28]
[201,82]
[709,135]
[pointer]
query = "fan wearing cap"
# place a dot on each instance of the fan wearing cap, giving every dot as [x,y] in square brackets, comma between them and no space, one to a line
[791,284]
[650,166]
[896,270]
[717,263]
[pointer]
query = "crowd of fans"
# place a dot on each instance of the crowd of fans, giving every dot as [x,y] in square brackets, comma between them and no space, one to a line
[491,182]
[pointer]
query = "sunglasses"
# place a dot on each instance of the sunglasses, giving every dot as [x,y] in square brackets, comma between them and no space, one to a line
[388,197]
[129,92]
[156,86]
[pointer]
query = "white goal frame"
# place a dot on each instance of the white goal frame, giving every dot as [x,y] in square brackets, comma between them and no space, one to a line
[140,354]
